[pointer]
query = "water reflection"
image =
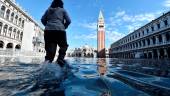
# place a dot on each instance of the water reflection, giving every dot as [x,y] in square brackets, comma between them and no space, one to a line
[88,76]
[102,67]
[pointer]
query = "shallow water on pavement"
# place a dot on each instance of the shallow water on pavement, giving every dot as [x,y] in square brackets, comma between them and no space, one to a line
[87,77]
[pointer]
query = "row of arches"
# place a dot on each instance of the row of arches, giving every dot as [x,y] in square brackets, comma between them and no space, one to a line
[11,16]
[160,53]
[41,51]
[8,31]
[145,42]
[81,55]
[9,46]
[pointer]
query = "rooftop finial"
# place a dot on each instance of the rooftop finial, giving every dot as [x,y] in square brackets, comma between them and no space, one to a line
[101,15]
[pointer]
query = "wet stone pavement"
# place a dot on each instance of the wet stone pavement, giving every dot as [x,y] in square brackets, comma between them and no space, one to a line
[85,77]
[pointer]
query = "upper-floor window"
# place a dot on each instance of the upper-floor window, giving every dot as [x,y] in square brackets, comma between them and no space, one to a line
[22,23]
[166,22]
[18,33]
[19,22]
[14,33]
[139,34]
[0,27]
[133,37]
[143,33]
[147,30]
[152,28]
[158,25]
[16,19]
[2,11]
[21,35]
[12,17]
[10,31]
[5,30]
[7,14]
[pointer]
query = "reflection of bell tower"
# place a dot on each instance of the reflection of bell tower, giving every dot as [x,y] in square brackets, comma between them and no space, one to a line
[100,36]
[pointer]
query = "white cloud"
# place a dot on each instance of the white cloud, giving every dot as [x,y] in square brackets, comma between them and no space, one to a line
[120,13]
[140,17]
[133,26]
[87,36]
[128,22]
[166,3]
[113,35]
[91,26]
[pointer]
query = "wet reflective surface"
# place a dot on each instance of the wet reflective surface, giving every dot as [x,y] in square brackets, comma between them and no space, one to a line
[84,77]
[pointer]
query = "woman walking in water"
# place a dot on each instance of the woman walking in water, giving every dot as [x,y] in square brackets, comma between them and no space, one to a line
[56,21]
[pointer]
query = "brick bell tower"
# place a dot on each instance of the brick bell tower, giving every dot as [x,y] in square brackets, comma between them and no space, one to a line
[101,37]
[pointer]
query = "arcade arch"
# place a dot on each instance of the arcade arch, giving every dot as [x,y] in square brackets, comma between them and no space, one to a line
[9,46]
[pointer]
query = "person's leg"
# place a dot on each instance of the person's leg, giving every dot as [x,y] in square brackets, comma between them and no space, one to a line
[62,42]
[50,45]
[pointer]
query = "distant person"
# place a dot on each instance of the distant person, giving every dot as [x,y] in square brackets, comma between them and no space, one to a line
[56,21]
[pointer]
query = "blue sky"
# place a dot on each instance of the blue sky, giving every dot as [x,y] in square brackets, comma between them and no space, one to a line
[121,17]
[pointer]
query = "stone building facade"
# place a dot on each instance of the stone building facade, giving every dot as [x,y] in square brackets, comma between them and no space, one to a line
[84,51]
[18,31]
[152,41]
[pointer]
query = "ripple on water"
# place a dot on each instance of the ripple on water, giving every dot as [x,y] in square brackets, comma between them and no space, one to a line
[21,77]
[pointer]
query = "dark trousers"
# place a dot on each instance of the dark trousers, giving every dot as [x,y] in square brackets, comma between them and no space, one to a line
[52,39]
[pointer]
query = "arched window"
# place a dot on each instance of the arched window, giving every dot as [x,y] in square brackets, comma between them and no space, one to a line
[10,31]
[17,47]
[9,46]
[2,11]
[7,14]
[16,19]
[5,30]
[12,17]
[19,22]
[14,33]
[22,23]
[1,27]
[18,34]
[21,35]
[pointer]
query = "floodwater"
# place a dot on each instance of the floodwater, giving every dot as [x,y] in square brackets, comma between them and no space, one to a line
[84,77]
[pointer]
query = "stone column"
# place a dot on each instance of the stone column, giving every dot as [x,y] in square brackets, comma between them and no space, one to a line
[2,30]
[164,38]
[151,41]
[152,55]
[141,43]
[166,53]
[158,53]
[5,44]
[157,40]
[14,47]
[147,54]
[138,45]
[5,13]
[146,43]
[19,36]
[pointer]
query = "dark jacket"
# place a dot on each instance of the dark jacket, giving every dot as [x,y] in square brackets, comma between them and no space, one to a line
[56,19]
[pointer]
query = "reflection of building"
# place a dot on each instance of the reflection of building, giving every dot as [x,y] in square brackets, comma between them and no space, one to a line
[85,51]
[149,41]
[17,29]
[102,68]
[107,53]
[101,37]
